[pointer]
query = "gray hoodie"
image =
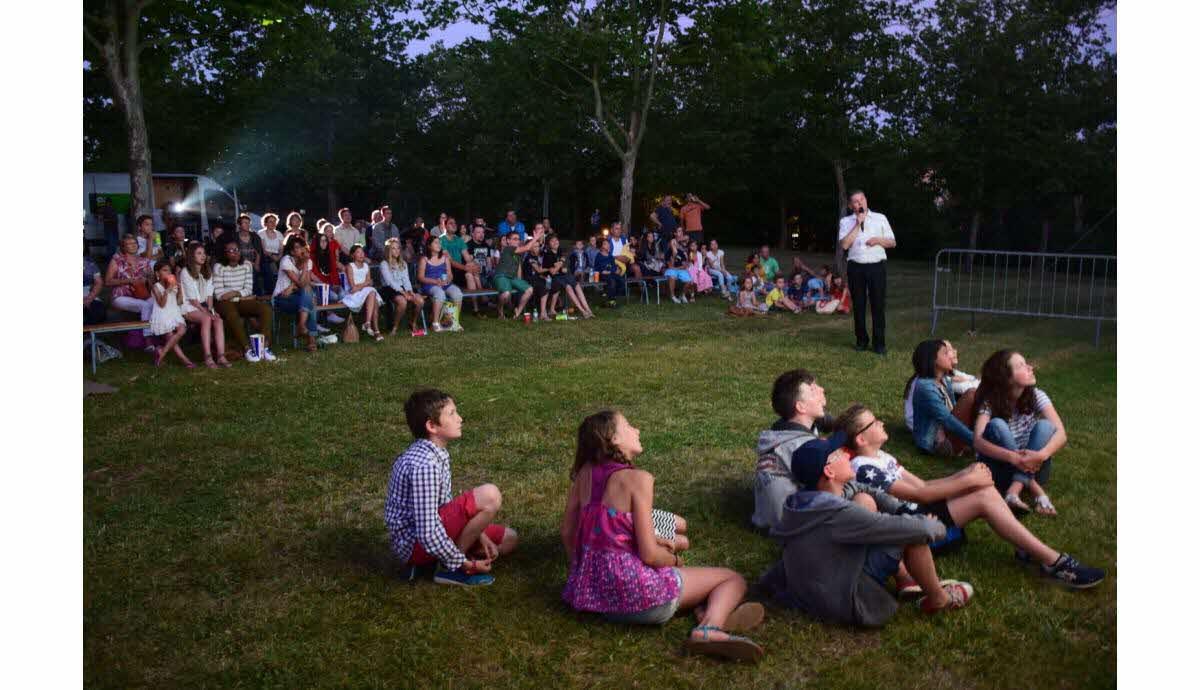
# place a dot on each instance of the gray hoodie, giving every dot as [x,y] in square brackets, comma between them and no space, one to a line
[825,548]
[773,476]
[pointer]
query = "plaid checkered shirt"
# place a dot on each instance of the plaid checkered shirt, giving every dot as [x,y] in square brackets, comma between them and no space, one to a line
[419,486]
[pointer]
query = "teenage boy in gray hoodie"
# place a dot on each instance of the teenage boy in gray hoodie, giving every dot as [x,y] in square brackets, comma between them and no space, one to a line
[838,555]
[800,404]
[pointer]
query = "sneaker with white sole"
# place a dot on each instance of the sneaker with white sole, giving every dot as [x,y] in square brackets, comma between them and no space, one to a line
[268,355]
[322,329]
[250,356]
[460,578]
[437,327]
[676,300]
[1072,573]
[334,318]
[960,594]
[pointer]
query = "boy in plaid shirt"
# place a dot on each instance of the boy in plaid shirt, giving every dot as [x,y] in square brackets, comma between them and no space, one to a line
[426,525]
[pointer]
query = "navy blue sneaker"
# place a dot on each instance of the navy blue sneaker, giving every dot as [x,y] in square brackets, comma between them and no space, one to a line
[956,538]
[412,573]
[461,578]
[1072,573]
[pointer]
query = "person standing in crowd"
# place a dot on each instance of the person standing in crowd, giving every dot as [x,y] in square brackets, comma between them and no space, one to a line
[595,222]
[346,235]
[295,224]
[511,224]
[691,218]
[663,220]
[233,285]
[382,231]
[271,242]
[865,236]
[128,278]
[251,249]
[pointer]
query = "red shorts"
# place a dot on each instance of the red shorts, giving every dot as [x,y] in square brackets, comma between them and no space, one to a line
[455,515]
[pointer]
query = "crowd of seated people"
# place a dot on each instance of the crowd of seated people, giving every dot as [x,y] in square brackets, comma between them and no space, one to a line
[381,274]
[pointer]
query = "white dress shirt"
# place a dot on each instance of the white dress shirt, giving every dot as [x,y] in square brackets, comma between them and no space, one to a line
[876,226]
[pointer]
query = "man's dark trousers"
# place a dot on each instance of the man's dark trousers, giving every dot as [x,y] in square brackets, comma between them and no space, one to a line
[868,281]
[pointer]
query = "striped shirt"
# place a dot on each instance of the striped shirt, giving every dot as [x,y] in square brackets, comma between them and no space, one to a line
[239,278]
[419,486]
[1021,425]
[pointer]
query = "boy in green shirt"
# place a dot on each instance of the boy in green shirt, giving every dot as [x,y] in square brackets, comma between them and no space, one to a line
[508,270]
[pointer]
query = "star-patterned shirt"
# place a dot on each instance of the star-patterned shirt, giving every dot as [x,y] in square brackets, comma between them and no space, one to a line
[419,486]
[880,471]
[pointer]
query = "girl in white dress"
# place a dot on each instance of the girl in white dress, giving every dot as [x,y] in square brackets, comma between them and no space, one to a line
[167,315]
[360,292]
[196,281]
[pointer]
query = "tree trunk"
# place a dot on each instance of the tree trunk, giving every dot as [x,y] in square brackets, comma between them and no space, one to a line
[783,228]
[628,163]
[121,53]
[973,235]
[839,178]
[141,185]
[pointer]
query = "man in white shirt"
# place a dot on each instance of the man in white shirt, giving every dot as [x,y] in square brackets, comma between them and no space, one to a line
[865,236]
[346,235]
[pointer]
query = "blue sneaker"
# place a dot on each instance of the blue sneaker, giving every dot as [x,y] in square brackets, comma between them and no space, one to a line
[412,573]
[461,578]
[1072,573]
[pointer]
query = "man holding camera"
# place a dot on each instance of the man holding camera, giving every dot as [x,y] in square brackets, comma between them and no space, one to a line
[691,218]
[864,237]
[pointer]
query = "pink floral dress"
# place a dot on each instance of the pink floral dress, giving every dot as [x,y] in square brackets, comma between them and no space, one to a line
[607,575]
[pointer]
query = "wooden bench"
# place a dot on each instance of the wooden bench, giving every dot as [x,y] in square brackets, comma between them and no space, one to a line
[113,327]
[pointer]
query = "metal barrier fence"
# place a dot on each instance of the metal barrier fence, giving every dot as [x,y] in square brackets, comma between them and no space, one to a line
[1061,286]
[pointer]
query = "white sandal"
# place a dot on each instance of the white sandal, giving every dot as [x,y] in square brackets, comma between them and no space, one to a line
[1043,506]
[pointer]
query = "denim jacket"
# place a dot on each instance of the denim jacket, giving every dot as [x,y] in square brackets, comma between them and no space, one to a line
[931,412]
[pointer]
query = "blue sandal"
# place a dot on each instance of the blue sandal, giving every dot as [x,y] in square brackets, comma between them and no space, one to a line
[735,647]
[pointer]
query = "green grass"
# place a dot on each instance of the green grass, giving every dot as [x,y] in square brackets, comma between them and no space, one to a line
[233,531]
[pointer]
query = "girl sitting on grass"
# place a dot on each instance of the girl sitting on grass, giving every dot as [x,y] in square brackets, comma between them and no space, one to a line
[621,569]
[166,319]
[1017,430]
[839,297]
[747,300]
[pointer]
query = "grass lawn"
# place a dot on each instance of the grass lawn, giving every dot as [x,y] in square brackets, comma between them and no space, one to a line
[233,529]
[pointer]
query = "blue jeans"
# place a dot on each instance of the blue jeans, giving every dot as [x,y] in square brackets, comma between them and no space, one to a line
[1003,473]
[301,300]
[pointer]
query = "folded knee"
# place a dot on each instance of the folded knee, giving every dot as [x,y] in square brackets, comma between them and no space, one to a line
[487,497]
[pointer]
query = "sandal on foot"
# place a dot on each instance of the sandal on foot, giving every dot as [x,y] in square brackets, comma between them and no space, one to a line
[158,356]
[1019,507]
[208,362]
[747,616]
[223,362]
[1043,505]
[736,648]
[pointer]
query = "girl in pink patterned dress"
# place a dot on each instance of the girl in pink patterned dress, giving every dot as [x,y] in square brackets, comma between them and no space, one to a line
[704,282]
[620,569]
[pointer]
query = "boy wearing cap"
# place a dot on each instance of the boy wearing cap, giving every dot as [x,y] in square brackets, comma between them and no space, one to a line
[838,555]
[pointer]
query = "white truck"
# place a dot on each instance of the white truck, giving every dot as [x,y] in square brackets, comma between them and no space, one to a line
[195,200]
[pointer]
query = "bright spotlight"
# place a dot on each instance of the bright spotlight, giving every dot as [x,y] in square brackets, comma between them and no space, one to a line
[178,207]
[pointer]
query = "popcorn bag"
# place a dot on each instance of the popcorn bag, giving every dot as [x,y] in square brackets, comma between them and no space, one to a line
[257,344]
[323,294]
